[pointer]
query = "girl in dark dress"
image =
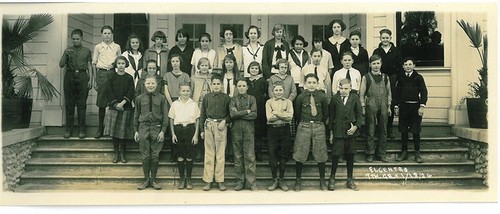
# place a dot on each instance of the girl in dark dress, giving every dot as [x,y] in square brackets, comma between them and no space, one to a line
[257,87]
[120,114]
[336,44]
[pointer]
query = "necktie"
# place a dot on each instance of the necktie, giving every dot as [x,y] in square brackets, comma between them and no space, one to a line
[150,102]
[228,90]
[230,50]
[316,71]
[314,111]
[343,99]
[348,75]
[408,74]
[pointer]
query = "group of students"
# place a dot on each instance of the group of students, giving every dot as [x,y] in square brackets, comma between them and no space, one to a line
[252,91]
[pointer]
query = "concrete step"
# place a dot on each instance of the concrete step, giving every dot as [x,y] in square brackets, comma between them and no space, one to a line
[32,182]
[450,154]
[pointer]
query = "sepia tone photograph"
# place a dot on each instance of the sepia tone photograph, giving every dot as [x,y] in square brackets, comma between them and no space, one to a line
[248,104]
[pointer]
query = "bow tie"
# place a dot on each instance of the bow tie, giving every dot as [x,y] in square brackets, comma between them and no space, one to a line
[230,50]
[281,98]
[279,48]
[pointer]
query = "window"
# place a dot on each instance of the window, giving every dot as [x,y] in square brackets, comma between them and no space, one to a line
[126,24]
[319,31]
[290,32]
[239,32]
[194,31]
[418,36]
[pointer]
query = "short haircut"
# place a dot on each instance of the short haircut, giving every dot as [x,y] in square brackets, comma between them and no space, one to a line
[347,53]
[282,61]
[159,34]
[309,75]
[153,62]
[385,31]
[278,83]
[316,50]
[150,76]
[120,58]
[227,28]
[216,77]
[176,55]
[277,27]
[205,35]
[254,63]
[183,33]
[128,46]
[355,33]
[107,27]
[204,60]
[241,79]
[317,39]
[409,58]
[77,32]
[184,84]
[375,57]
[253,27]
[338,21]
[345,81]
[301,38]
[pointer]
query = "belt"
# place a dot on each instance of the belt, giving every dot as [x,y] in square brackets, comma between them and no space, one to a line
[102,69]
[312,121]
[412,102]
[214,120]
[77,71]
[151,123]
[184,124]
[278,125]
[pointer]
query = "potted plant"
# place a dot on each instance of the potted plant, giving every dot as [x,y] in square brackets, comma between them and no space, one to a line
[17,88]
[477,101]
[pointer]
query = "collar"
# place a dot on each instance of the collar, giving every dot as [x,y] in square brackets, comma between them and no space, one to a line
[310,92]
[152,93]
[281,98]
[357,48]
[188,101]
[378,73]
[411,73]
[243,95]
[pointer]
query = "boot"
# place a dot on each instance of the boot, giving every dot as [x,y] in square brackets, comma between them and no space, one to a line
[331,184]
[144,185]
[116,151]
[181,165]
[418,159]
[68,133]
[122,152]
[298,184]
[154,171]
[100,130]
[322,184]
[282,184]
[274,185]
[403,156]
[189,169]
[351,185]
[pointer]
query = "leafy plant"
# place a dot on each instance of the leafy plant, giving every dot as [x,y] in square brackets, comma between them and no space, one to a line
[480,43]
[16,72]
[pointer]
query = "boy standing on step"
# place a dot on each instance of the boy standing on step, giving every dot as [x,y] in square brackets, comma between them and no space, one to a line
[184,115]
[345,120]
[150,124]
[77,60]
[410,98]
[312,111]
[214,119]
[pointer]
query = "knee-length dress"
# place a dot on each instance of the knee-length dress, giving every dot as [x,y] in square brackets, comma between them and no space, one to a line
[119,123]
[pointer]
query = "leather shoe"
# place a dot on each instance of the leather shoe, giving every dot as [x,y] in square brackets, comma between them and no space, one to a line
[222,187]
[155,185]
[282,185]
[369,158]
[331,184]
[144,185]
[322,184]
[351,185]
[274,185]
[81,134]
[238,187]
[207,186]
[182,183]
[254,188]
[189,185]
[99,133]
[403,156]
[298,184]
[382,158]
[67,134]
[418,159]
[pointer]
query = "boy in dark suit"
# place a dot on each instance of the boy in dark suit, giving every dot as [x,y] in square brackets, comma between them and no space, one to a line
[410,97]
[345,120]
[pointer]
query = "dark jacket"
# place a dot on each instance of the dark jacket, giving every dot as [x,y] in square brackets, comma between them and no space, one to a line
[341,116]
[267,56]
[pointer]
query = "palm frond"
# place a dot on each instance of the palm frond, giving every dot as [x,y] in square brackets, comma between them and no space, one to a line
[48,90]
[473,32]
